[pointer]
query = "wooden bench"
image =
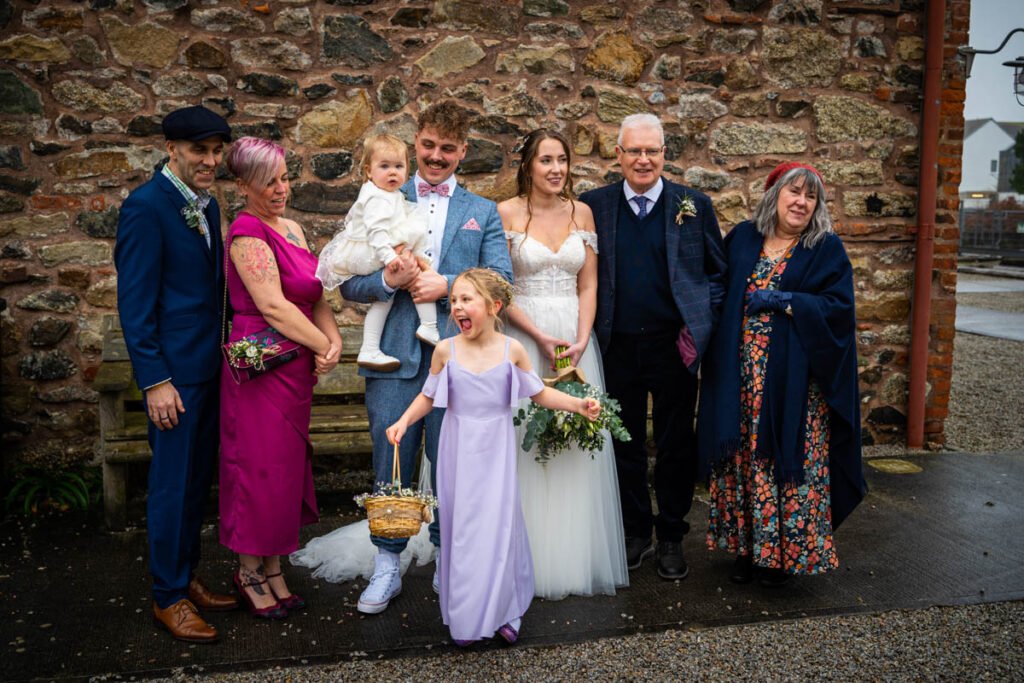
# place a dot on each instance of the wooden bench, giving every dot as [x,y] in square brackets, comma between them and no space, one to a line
[338,428]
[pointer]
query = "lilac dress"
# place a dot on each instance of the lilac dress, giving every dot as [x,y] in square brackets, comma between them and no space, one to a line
[266,475]
[484,564]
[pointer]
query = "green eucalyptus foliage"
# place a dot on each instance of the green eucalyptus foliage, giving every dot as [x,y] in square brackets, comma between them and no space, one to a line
[554,431]
[36,489]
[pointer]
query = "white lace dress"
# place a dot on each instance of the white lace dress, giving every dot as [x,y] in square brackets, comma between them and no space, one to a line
[571,503]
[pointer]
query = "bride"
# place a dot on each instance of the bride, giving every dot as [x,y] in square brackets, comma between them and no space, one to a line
[571,503]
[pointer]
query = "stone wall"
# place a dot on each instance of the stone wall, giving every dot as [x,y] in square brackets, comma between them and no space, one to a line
[740,84]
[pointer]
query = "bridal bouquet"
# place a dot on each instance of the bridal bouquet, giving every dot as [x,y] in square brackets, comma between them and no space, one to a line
[553,431]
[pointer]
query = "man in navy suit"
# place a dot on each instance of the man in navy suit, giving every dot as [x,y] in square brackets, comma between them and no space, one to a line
[660,286]
[464,231]
[169,257]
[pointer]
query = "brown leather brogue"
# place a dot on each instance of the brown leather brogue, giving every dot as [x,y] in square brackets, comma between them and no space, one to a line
[205,599]
[184,623]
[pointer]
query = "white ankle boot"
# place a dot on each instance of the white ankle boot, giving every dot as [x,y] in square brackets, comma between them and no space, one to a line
[429,334]
[377,360]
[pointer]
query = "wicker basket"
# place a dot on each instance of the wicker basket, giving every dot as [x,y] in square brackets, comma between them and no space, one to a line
[396,516]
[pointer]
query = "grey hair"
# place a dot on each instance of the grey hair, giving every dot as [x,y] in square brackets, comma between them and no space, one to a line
[641,121]
[766,214]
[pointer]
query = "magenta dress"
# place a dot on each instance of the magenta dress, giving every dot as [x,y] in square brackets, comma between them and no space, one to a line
[484,564]
[266,474]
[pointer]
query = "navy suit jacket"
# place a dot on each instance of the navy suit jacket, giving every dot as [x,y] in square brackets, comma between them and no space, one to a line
[169,287]
[696,260]
[465,245]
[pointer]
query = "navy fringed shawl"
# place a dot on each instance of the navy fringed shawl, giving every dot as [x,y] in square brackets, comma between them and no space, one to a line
[818,341]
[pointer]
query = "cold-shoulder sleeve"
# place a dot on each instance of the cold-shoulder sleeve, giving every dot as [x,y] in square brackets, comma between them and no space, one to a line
[589,239]
[524,384]
[436,388]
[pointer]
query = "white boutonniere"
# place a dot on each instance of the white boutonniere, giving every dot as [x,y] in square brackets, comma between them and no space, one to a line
[193,216]
[685,209]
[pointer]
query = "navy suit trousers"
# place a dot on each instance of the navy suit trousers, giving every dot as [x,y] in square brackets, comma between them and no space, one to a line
[636,366]
[180,474]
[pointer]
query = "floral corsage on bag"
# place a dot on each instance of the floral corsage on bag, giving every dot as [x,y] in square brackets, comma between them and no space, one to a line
[553,431]
[256,354]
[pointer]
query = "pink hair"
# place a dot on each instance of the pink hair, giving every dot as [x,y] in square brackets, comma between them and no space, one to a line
[254,161]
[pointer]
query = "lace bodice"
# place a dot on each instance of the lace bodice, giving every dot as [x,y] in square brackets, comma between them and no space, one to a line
[540,272]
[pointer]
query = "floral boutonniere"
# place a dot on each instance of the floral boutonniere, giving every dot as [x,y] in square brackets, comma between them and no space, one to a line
[193,216]
[685,209]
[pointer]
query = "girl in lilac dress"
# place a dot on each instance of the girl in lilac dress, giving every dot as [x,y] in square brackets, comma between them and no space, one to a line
[484,564]
[266,478]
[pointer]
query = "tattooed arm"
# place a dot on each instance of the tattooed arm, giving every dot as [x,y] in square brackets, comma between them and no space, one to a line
[257,267]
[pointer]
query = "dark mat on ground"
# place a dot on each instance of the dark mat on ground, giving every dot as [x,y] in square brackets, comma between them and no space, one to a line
[75,600]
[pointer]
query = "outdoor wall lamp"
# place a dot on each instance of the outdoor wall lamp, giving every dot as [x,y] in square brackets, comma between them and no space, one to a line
[968,53]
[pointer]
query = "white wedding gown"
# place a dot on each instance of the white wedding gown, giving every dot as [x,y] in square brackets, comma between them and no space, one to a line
[571,503]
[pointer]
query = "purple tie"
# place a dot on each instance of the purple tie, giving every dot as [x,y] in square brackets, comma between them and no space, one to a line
[641,203]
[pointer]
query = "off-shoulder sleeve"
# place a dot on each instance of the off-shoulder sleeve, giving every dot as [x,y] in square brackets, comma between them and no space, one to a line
[436,387]
[514,235]
[589,238]
[524,384]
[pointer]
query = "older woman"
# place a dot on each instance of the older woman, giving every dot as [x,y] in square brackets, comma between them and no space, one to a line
[266,480]
[779,426]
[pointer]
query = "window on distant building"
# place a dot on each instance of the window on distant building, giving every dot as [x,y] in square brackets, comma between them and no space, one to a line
[995,165]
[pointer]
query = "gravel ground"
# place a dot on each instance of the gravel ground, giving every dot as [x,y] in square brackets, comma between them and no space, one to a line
[976,643]
[986,401]
[1008,302]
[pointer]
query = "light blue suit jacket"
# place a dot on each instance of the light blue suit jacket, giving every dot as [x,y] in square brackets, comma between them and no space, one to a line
[473,236]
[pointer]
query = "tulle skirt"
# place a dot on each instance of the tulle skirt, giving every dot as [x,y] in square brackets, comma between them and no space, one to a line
[571,503]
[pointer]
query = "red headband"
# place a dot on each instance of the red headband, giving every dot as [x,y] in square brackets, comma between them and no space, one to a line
[784,168]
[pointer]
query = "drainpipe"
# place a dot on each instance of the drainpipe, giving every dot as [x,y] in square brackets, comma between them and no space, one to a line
[925,252]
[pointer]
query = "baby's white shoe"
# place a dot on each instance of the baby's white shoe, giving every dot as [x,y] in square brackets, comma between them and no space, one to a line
[377,360]
[428,334]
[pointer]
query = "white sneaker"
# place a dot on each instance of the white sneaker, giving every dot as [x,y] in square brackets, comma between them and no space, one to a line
[428,334]
[377,360]
[385,584]
[436,583]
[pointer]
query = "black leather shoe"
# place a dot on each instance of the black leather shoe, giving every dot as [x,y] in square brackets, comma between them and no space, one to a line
[637,550]
[742,569]
[671,563]
[772,578]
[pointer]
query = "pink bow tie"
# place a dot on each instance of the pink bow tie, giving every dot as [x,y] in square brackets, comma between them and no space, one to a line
[426,188]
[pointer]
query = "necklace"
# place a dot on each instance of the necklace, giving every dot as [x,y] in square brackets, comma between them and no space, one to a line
[774,254]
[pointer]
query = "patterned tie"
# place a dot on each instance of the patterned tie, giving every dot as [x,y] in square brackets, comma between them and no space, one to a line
[423,189]
[641,203]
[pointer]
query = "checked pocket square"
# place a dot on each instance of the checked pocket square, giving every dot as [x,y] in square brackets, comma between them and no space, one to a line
[471,224]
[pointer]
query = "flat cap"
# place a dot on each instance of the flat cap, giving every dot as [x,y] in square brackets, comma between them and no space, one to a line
[195,124]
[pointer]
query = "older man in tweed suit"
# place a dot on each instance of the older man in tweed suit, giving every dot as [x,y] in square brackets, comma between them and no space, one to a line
[660,286]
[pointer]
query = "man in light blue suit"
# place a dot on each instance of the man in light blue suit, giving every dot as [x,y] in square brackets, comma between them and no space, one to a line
[464,231]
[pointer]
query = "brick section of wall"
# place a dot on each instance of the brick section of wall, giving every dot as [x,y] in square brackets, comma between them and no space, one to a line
[740,85]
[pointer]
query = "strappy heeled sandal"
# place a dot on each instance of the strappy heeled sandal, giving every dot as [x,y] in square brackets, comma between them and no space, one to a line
[292,602]
[275,611]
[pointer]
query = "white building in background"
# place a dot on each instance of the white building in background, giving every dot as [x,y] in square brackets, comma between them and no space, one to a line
[988,147]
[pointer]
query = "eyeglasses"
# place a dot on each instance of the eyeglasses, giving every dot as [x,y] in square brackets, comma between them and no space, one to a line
[637,152]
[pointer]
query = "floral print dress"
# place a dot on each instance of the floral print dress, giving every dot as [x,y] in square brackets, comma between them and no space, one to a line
[787,527]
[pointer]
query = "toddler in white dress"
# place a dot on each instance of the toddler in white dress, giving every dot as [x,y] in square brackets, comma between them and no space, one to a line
[379,226]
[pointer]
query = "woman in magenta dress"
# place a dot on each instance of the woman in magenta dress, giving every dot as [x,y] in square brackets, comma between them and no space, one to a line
[485,568]
[266,479]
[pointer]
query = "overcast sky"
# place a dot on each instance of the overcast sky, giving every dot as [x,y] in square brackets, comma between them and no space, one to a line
[990,87]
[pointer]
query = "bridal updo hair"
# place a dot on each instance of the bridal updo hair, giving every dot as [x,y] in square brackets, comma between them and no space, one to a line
[254,161]
[491,286]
